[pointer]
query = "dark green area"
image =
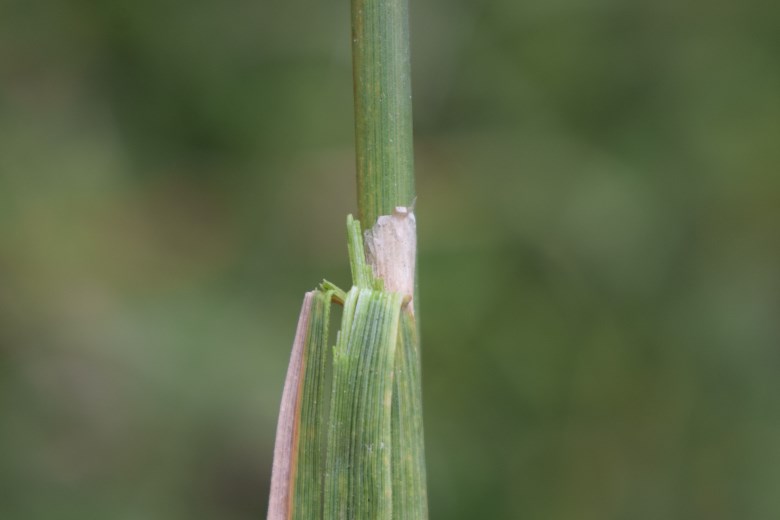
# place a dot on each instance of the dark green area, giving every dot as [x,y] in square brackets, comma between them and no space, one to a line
[598,203]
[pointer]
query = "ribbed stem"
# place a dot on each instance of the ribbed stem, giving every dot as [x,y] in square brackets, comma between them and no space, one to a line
[385,180]
[383,107]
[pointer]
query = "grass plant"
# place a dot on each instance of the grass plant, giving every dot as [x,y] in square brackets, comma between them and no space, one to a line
[367,461]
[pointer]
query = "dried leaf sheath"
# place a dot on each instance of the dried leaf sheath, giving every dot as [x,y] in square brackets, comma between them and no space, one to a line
[307,493]
[296,489]
[283,467]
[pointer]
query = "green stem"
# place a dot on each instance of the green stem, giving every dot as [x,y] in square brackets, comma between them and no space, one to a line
[383,107]
[385,179]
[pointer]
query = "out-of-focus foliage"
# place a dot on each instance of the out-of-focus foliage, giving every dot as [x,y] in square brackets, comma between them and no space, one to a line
[599,199]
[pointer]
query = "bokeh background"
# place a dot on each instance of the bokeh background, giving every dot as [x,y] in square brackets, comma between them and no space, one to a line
[598,208]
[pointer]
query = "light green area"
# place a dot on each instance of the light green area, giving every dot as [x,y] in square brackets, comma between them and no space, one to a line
[358,473]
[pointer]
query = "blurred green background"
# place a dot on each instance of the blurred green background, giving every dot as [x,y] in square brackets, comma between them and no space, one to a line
[598,209]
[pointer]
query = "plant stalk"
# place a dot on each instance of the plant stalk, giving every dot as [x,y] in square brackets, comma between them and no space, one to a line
[368,461]
[383,107]
[385,181]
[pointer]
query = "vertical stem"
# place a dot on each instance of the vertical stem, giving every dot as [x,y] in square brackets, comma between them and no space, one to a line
[385,179]
[383,107]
